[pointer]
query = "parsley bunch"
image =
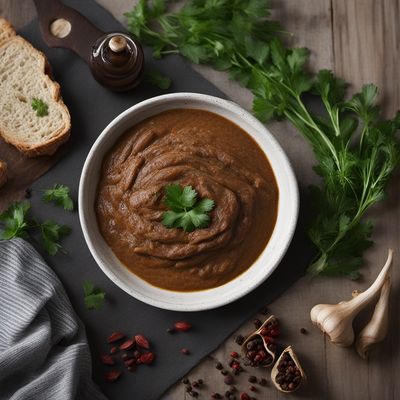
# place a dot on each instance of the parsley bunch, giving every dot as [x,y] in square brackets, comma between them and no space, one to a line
[17,222]
[186,211]
[355,148]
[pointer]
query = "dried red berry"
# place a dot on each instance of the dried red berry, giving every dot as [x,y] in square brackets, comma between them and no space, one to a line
[107,359]
[244,396]
[147,358]
[234,354]
[182,326]
[112,376]
[127,345]
[130,362]
[114,350]
[141,341]
[115,336]
[185,351]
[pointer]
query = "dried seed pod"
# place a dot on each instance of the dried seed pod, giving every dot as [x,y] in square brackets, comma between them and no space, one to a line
[287,374]
[376,329]
[336,320]
[262,337]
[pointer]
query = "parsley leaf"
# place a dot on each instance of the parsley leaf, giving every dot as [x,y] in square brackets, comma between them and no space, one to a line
[156,78]
[60,196]
[51,234]
[186,211]
[94,297]
[14,221]
[356,150]
[41,108]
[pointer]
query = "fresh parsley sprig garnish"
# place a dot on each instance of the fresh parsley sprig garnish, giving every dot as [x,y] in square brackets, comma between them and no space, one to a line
[186,211]
[41,108]
[16,221]
[355,148]
[60,196]
[93,296]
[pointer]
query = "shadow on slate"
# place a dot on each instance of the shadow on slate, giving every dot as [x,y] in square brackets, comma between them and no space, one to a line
[92,107]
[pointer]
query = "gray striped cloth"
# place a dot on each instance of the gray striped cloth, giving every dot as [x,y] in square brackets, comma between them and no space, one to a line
[43,349]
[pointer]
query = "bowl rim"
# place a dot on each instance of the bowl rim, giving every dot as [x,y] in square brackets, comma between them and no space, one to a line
[241,114]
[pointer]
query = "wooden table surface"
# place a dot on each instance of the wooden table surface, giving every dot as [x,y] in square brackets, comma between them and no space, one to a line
[358,40]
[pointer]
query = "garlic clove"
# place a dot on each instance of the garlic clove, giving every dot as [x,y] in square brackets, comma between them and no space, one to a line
[287,374]
[259,347]
[336,320]
[376,329]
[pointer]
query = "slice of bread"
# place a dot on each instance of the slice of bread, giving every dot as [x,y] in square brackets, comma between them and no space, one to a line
[23,78]
[3,173]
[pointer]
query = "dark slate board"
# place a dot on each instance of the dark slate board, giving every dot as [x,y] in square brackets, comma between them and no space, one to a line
[92,107]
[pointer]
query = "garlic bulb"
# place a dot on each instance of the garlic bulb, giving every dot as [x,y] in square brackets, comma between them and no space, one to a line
[336,320]
[376,329]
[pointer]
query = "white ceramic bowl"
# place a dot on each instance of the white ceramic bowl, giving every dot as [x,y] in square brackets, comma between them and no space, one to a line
[244,283]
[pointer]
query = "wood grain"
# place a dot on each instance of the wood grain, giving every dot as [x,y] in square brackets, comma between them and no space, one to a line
[22,171]
[366,46]
[358,39]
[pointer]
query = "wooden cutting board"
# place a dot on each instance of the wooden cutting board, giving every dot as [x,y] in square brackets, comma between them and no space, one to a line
[22,172]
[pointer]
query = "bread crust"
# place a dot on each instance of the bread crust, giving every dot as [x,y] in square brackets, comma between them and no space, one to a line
[51,146]
[3,173]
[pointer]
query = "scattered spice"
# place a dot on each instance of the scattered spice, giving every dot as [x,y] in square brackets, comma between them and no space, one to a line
[141,341]
[218,365]
[185,351]
[263,382]
[115,337]
[170,330]
[130,362]
[252,388]
[252,379]
[216,396]
[127,345]
[239,339]
[303,331]
[228,380]
[257,323]
[112,376]
[106,359]
[147,358]
[244,396]
[182,326]
[185,381]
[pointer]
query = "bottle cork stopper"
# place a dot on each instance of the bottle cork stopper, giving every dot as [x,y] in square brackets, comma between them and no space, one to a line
[117,43]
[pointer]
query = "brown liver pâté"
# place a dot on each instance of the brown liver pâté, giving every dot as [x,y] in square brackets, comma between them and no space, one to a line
[221,162]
